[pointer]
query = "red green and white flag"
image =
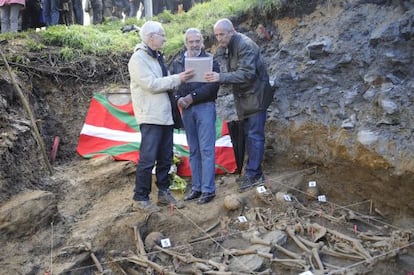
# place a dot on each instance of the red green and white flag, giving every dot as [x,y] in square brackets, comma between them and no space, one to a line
[111,129]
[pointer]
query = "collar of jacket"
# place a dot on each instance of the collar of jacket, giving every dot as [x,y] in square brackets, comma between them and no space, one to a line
[234,40]
[148,50]
[182,57]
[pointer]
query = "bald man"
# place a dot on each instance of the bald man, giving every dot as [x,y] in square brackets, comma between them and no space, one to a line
[246,73]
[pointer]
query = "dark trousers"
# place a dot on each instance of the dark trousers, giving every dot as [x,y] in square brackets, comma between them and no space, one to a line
[78,10]
[255,141]
[156,148]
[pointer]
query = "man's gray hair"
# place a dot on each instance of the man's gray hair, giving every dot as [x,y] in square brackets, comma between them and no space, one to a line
[224,23]
[192,31]
[149,28]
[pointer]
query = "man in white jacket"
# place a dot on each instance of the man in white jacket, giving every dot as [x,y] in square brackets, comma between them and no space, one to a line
[150,83]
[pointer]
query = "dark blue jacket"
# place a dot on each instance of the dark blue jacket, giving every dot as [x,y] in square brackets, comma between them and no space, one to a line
[200,91]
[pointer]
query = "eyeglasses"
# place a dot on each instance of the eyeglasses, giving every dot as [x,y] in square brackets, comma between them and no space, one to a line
[159,34]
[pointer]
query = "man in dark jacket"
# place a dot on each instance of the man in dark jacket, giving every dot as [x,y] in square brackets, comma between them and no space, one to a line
[247,75]
[197,101]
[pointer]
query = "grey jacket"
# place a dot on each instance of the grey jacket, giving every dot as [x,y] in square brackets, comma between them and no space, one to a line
[247,75]
[149,89]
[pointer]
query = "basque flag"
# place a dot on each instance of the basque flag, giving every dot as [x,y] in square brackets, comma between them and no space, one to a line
[111,129]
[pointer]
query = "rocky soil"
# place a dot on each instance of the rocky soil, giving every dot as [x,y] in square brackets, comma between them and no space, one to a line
[342,116]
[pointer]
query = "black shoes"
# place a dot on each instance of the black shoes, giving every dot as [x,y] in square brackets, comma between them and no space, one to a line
[165,198]
[193,195]
[246,183]
[206,197]
[203,197]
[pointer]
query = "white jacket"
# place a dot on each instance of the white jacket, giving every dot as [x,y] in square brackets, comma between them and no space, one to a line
[149,88]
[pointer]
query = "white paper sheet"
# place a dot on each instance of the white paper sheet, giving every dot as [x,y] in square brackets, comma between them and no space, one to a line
[201,65]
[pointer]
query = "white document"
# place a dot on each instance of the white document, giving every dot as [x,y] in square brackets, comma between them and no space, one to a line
[201,65]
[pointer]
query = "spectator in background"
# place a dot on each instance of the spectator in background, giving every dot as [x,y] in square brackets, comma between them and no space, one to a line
[9,14]
[134,7]
[120,8]
[51,12]
[32,15]
[78,11]
[107,8]
[158,6]
[175,6]
[95,10]
[197,101]
[66,12]
[150,86]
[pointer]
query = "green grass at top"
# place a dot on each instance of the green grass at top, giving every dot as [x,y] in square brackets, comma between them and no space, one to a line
[108,38]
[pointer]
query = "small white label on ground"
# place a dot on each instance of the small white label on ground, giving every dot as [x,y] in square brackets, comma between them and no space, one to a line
[261,189]
[322,198]
[165,243]
[287,197]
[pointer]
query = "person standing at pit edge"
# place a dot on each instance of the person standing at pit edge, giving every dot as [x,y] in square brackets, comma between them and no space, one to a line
[197,101]
[150,83]
[9,14]
[249,81]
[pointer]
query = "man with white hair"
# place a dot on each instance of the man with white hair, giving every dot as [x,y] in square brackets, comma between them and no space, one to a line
[150,83]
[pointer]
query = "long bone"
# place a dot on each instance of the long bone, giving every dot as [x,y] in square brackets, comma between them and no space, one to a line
[364,219]
[141,261]
[287,252]
[328,251]
[188,258]
[356,244]
[300,263]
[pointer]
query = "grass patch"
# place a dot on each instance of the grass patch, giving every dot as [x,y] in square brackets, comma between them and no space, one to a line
[106,38]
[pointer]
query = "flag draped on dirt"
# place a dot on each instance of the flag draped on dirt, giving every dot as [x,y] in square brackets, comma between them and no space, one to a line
[112,130]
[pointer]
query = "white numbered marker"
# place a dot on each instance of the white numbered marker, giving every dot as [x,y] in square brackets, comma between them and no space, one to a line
[322,198]
[261,189]
[287,197]
[306,273]
[242,219]
[312,184]
[165,243]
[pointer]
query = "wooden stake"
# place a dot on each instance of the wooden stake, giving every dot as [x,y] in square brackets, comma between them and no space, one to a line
[26,106]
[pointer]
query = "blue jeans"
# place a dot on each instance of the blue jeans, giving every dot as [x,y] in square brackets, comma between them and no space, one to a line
[9,15]
[156,148]
[133,7]
[51,12]
[200,129]
[78,10]
[255,141]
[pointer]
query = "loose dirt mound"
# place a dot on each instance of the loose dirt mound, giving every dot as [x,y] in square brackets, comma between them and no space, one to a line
[276,228]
